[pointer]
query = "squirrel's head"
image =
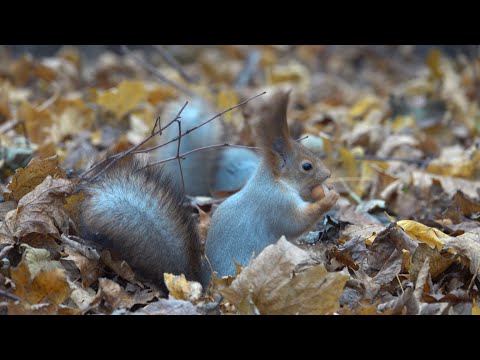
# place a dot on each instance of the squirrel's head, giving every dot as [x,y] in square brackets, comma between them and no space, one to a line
[288,160]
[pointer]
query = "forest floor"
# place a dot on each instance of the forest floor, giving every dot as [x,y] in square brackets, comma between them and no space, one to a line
[399,132]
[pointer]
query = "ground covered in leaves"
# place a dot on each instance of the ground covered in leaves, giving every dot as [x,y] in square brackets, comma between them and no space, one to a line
[399,132]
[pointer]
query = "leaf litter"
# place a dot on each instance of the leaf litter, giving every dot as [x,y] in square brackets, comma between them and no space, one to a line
[401,137]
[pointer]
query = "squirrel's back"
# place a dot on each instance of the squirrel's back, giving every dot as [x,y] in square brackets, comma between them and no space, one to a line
[140,213]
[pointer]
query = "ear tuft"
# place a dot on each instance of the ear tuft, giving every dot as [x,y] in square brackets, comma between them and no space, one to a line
[273,131]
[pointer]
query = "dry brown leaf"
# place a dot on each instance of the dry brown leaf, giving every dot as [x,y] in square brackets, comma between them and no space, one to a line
[139,297]
[269,284]
[468,247]
[438,262]
[120,267]
[108,296]
[25,180]
[169,307]
[51,286]
[37,123]
[41,210]
[451,185]
[41,284]
[89,268]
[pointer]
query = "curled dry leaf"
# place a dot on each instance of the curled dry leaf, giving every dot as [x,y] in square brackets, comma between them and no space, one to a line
[270,285]
[120,267]
[25,180]
[438,262]
[89,268]
[39,281]
[108,296]
[468,247]
[41,210]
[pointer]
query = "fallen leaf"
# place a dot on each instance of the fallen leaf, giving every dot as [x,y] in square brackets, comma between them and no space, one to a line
[41,210]
[169,307]
[438,262]
[271,285]
[119,266]
[124,98]
[37,123]
[89,268]
[108,296]
[182,289]
[422,233]
[25,180]
[468,247]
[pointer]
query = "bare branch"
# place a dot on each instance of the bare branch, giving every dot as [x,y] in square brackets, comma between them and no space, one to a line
[178,153]
[184,155]
[198,126]
[8,295]
[170,60]
[5,250]
[125,153]
[113,159]
[88,252]
[155,71]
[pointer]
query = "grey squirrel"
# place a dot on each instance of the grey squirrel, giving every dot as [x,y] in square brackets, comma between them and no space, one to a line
[140,211]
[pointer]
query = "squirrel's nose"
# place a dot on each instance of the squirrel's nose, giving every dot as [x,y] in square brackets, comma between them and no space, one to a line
[326,175]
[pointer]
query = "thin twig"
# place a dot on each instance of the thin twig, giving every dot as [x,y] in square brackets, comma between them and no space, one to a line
[184,155]
[125,153]
[302,138]
[5,250]
[133,150]
[387,158]
[178,153]
[51,99]
[155,71]
[170,60]
[198,126]
[8,295]
[86,251]
[9,125]
[352,194]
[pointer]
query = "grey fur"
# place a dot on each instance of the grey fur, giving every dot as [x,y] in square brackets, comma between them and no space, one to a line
[247,222]
[139,212]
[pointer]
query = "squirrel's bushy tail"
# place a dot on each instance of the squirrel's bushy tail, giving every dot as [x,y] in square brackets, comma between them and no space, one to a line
[140,213]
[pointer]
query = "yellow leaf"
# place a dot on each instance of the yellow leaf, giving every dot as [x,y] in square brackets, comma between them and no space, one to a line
[226,99]
[422,233]
[475,309]
[370,239]
[182,289]
[124,98]
[362,107]
[402,122]
[434,63]
[350,164]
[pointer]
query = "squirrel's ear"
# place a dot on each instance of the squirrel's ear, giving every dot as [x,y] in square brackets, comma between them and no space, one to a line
[274,134]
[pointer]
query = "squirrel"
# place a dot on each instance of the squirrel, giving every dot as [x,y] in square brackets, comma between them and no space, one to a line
[141,212]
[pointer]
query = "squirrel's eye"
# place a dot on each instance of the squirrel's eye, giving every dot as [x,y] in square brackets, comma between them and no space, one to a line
[307,166]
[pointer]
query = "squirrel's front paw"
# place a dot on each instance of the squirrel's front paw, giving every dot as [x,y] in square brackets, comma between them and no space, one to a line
[325,198]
